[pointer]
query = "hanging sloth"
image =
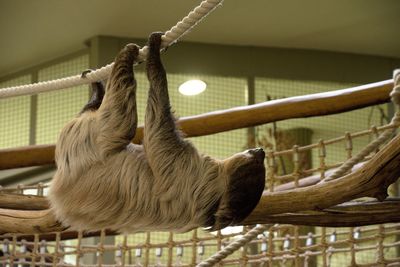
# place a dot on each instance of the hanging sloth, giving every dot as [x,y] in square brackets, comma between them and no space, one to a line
[105,181]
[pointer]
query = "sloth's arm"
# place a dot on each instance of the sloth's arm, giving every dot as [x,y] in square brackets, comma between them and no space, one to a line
[164,145]
[117,117]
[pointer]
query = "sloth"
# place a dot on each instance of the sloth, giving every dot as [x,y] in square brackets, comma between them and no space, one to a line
[105,181]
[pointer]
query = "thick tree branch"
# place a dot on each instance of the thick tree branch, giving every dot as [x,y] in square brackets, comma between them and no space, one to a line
[348,214]
[28,222]
[23,202]
[310,180]
[371,180]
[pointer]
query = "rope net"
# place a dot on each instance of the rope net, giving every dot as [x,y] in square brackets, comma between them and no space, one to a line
[275,245]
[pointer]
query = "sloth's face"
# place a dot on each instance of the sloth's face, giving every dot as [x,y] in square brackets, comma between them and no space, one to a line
[246,163]
[246,179]
[250,156]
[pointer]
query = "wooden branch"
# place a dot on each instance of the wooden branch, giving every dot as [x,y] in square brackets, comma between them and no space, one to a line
[26,156]
[28,222]
[240,117]
[288,108]
[309,180]
[23,202]
[349,214]
[371,180]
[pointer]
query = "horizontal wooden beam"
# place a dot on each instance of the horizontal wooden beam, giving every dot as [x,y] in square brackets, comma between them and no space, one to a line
[26,156]
[319,104]
[235,118]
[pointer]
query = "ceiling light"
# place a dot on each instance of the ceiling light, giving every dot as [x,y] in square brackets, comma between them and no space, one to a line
[192,87]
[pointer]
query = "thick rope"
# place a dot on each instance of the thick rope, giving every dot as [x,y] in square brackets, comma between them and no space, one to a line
[233,246]
[168,39]
[386,135]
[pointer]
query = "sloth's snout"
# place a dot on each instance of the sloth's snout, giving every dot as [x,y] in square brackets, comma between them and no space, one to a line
[258,154]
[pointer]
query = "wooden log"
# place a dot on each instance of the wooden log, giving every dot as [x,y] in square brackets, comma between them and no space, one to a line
[23,202]
[308,180]
[370,180]
[28,222]
[320,104]
[349,214]
[240,117]
[26,156]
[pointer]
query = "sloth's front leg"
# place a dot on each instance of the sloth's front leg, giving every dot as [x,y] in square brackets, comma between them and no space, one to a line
[168,153]
[117,116]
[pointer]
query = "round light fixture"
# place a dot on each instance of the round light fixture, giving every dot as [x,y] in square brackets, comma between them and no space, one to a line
[192,87]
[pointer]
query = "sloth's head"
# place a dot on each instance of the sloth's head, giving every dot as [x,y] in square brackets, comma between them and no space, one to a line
[245,174]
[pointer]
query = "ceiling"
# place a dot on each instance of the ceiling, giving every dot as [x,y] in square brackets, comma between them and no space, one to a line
[36,31]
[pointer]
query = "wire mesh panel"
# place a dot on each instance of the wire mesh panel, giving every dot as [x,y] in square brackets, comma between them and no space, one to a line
[297,148]
[221,93]
[15,116]
[329,151]
[322,127]
[54,109]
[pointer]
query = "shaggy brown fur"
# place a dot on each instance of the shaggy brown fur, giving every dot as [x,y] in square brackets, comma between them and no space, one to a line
[104,181]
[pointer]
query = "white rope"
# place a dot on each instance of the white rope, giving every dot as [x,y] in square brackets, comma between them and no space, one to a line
[233,246]
[169,38]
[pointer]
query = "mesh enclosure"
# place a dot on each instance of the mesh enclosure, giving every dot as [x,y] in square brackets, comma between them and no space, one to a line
[54,109]
[15,116]
[221,93]
[297,148]
[322,127]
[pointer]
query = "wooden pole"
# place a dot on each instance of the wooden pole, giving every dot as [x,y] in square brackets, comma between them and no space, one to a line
[239,117]
[35,155]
